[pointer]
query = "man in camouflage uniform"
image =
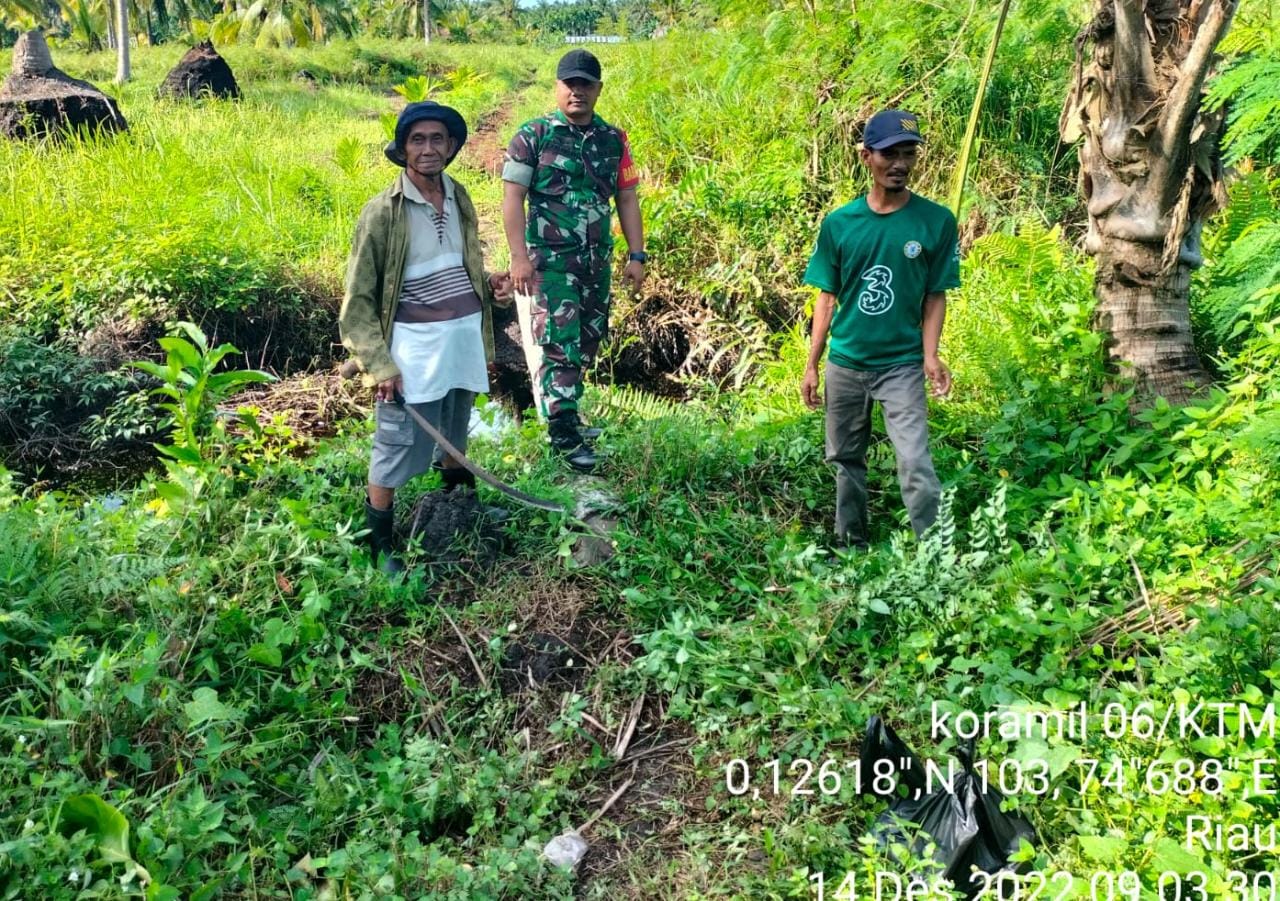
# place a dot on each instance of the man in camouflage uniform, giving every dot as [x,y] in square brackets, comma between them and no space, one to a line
[569,165]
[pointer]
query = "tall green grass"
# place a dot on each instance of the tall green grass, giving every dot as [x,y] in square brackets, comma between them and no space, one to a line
[238,207]
[748,134]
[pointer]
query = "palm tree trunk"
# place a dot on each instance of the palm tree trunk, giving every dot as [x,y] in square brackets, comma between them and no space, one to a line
[123,72]
[426,20]
[1143,311]
[1151,174]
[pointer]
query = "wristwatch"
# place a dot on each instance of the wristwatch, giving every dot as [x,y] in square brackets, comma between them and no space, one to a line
[638,256]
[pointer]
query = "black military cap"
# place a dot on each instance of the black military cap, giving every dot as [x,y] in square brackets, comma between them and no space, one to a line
[578,64]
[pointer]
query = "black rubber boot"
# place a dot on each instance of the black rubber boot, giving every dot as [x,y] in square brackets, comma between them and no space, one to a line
[588,433]
[566,441]
[381,524]
[453,476]
[846,547]
[456,476]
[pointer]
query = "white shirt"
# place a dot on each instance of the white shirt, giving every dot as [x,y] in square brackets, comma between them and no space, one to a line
[442,348]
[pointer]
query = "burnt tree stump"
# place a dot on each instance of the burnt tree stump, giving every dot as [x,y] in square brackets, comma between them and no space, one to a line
[202,72]
[39,100]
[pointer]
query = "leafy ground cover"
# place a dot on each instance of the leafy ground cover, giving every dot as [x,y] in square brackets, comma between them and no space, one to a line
[205,692]
[213,660]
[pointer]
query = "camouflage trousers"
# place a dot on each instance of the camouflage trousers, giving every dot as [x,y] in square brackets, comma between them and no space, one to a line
[570,319]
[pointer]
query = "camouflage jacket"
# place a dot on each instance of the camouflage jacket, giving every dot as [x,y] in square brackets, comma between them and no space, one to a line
[375,273]
[572,174]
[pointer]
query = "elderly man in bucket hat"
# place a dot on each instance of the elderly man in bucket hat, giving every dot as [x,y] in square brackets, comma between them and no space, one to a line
[882,266]
[417,313]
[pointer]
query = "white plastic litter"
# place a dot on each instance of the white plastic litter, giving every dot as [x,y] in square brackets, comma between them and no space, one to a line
[566,850]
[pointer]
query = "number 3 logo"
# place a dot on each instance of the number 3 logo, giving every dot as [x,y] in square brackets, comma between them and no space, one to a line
[877,295]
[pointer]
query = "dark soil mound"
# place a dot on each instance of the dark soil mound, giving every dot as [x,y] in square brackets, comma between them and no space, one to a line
[511,372]
[643,359]
[39,100]
[285,336]
[542,659]
[202,72]
[452,528]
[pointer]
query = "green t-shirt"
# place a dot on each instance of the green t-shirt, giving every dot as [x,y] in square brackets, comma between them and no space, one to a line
[880,266]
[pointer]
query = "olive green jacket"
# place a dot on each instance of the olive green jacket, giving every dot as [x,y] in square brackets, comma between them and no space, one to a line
[375,272]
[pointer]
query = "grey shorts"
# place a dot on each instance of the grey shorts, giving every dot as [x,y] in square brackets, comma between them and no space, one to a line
[402,450]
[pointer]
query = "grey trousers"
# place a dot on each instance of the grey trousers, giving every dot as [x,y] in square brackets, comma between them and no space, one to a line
[900,391]
[401,450]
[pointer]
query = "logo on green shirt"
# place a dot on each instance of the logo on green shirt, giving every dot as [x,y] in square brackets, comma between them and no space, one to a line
[876,296]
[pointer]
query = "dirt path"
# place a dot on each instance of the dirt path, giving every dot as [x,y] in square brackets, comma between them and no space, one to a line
[484,151]
[486,145]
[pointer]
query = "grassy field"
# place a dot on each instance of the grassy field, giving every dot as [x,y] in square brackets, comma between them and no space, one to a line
[206,692]
[225,206]
[234,215]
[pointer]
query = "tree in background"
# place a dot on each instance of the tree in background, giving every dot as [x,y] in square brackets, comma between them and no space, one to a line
[579,17]
[87,21]
[1151,173]
[93,23]
[505,11]
[282,22]
[460,22]
[123,72]
[185,12]
[394,18]
[22,15]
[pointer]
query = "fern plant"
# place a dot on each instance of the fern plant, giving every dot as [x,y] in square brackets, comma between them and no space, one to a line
[1243,284]
[32,592]
[1251,87]
[625,402]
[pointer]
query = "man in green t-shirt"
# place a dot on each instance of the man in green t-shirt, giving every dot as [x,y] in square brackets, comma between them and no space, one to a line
[882,267]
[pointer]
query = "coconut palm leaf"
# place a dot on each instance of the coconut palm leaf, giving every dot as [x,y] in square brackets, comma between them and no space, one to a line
[21,14]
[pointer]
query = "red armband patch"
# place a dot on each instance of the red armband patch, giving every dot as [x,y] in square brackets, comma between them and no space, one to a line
[628,172]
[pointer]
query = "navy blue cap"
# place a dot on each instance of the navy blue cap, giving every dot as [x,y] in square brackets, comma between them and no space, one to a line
[578,64]
[889,127]
[424,111]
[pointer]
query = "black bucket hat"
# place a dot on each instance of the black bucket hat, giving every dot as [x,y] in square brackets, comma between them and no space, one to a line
[426,110]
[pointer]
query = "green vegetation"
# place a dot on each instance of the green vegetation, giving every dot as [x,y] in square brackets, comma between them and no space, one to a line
[303,23]
[752,138]
[103,228]
[233,215]
[206,692]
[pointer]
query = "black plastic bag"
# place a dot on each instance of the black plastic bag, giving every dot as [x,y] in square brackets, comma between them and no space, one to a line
[881,743]
[964,821]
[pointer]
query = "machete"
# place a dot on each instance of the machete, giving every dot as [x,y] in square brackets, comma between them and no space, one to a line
[349,369]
